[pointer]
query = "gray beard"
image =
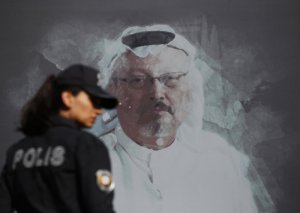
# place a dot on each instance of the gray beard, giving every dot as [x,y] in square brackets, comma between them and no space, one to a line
[158,129]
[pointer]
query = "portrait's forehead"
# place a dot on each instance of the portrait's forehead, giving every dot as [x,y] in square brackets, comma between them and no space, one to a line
[167,60]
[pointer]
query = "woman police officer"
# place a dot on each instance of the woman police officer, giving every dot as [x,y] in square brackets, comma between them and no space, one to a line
[57,167]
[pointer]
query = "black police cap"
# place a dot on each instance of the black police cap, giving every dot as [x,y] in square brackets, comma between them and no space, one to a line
[86,78]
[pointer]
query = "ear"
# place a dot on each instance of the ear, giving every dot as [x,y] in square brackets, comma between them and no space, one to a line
[112,87]
[67,98]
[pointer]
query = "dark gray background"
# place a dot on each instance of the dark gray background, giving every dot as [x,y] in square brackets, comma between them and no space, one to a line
[273,26]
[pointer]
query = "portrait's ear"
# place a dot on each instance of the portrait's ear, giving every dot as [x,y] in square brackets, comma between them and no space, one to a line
[112,87]
[67,98]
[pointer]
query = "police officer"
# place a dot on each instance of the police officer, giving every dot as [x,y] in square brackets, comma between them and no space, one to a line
[57,167]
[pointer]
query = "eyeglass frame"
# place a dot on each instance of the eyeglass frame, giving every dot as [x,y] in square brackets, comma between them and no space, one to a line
[151,79]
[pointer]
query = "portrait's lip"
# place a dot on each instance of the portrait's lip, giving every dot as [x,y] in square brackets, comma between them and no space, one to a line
[161,107]
[156,108]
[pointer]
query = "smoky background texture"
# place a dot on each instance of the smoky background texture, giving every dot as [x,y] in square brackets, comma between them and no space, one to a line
[252,45]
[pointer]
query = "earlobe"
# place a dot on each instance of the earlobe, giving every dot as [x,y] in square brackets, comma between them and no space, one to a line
[67,98]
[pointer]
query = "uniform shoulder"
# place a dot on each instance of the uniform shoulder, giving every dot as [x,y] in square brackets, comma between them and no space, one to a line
[88,139]
[67,132]
[23,142]
[73,136]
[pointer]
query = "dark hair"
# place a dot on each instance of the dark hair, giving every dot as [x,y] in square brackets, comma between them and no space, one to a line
[37,112]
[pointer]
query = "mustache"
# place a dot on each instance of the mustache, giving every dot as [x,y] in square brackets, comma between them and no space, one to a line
[158,104]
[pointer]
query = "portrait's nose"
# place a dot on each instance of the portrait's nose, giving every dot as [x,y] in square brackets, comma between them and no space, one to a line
[157,90]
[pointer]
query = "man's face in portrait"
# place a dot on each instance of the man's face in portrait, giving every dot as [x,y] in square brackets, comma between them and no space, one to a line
[153,91]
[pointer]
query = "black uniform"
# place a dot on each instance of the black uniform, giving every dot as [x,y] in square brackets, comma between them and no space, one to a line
[64,170]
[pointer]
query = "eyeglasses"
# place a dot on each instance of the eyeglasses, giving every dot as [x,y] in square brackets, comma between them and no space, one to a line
[140,81]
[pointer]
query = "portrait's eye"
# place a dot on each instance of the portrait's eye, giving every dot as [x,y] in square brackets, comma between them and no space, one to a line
[170,79]
[136,81]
